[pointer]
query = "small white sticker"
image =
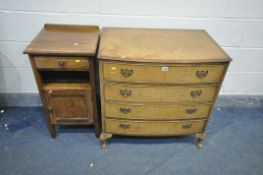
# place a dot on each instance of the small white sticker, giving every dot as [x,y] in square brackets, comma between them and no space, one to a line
[165,69]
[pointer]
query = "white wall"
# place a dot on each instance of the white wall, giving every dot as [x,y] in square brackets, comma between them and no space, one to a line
[237,25]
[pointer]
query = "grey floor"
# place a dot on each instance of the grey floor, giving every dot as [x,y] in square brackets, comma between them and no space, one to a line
[234,146]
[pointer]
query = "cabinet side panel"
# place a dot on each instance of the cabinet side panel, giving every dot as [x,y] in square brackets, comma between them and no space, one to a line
[216,94]
[42,96]
[101,64]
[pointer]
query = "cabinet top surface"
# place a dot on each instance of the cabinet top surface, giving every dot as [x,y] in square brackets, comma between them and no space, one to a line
[159,45]
[56,39]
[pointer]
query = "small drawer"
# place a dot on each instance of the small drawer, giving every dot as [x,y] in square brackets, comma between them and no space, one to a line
[159,93]
[62,63]
[156,73]
[161,111]
[153,128]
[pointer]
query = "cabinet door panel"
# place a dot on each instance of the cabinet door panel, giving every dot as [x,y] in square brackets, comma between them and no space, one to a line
[70,106]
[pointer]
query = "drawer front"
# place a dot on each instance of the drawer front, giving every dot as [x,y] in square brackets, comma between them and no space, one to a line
[153,128]
[62,63]
[156,111]
[162,73]
[155,93]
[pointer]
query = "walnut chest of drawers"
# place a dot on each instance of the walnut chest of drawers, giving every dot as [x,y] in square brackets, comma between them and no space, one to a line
[62,59]
[158,82]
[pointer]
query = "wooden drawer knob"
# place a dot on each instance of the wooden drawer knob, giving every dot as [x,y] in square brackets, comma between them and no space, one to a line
[61,63]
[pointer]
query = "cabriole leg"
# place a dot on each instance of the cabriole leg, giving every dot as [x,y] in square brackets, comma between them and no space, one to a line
[103,139]
[200,139]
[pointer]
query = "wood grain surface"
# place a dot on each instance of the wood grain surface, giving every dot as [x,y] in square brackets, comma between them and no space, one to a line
[159,45]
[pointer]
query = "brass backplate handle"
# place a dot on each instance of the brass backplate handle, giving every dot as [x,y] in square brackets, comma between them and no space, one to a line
[201,73]
[125,110]
[190,110]
[187,125]
[124,126]
[125,92]
[126,72]
[196,93]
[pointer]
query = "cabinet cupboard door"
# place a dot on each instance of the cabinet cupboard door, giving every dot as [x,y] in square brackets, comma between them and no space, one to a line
[70,106]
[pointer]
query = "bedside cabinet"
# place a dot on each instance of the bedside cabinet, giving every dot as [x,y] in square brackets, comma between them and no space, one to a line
[158,82]
[62,59]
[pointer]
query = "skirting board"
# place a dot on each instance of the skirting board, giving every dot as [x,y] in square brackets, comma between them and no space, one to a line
[238,101]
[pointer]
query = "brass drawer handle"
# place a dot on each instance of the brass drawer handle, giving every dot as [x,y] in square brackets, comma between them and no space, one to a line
[61,63]
[124,126]
[190,110]
[125,92]
[196,93]
[201,74]
[125,110]
[126,72]
[187,126]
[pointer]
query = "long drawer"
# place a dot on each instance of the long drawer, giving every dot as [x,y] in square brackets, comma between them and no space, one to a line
[62,63]
[152,73]
[159,93]
[153,128]
[156,111]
